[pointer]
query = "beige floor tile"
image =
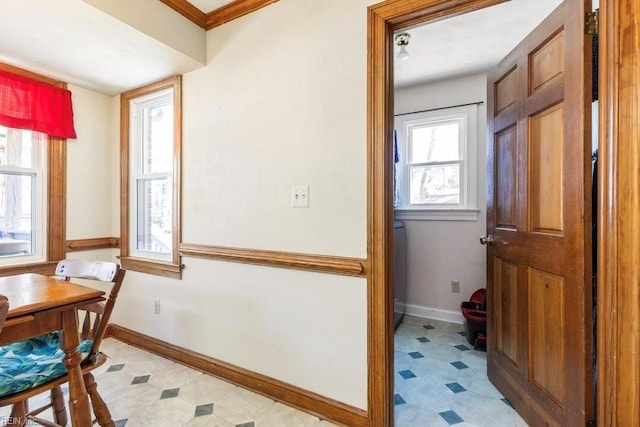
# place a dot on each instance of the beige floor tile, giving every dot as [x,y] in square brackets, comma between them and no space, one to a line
[205,389]
[241,406]
[166,412]
[279,415]
[208,421]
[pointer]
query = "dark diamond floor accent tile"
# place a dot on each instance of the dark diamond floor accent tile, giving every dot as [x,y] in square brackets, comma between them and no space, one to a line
[506,402]
[451,417]
[459,365]
[398,400]
[250,424]
[407,374]
[416,355]
[462,347]
[423,339]
[456,388]
[462,333]
[169,393]
[141,380]
[428,326]
[121,423]
[115,368]
[206,409]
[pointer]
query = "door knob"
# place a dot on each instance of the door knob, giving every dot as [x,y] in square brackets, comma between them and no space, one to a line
[484,240]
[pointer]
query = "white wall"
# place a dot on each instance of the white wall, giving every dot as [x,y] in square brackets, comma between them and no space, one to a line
[272,109]
[441,251]
[167,26]
[90,160]
[91,182]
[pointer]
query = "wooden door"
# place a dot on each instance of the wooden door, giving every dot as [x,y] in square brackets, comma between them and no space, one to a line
[538,213]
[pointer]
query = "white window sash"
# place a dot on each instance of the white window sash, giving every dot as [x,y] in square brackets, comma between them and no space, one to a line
[467,209]
[38,210]
[136,136]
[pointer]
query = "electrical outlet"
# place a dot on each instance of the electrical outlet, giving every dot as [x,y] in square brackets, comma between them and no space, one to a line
[455,286]
[156,306]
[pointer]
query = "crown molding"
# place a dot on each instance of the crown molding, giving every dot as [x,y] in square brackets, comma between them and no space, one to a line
[234,10]
[189,11]
[219,16]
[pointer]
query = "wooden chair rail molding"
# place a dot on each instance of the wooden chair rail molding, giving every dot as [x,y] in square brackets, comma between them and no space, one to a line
[318,263]
[304,400]
[47,268]
[91,244]
[219,16]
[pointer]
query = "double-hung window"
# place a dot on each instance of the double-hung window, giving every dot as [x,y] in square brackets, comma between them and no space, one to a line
[436,171]
[37,117]
[22,196]
[151,184]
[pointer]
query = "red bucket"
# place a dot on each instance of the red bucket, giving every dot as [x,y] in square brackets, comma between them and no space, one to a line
[475,319]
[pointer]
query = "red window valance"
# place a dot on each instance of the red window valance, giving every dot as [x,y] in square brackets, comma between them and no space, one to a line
[30,104]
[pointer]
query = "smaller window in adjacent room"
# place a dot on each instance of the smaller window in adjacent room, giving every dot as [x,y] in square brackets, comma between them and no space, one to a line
[151,141]
[436,164]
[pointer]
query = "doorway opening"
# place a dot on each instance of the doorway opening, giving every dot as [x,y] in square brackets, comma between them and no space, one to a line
[439,304]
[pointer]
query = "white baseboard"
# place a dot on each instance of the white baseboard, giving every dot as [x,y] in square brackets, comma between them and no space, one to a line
[434,313]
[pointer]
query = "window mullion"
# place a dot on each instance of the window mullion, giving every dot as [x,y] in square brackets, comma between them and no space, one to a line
[442,163]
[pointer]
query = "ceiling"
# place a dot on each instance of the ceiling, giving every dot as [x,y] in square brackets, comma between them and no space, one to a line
[207,6]
[78,42]
[84,43]
[473,42]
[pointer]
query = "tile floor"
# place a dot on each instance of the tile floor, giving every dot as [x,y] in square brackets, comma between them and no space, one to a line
[142,389]
[441,380]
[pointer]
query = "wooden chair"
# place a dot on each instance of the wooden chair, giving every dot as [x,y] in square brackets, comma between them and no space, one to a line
[4,308]
[94,319]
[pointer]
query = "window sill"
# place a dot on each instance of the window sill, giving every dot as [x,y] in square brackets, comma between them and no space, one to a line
[157,268]
[453,214]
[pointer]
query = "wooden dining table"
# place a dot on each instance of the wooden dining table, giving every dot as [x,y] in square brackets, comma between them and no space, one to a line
[41,304]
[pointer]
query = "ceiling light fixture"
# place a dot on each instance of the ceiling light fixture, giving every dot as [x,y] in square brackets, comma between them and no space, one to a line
[402,40]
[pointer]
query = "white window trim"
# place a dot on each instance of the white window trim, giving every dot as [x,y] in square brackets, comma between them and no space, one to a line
[468,209]
[39,211]
[135,136]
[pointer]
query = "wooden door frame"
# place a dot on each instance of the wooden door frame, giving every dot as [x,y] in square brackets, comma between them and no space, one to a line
[619,218]
[618,202]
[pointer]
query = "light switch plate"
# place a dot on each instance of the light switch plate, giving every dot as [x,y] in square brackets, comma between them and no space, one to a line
[300,196]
